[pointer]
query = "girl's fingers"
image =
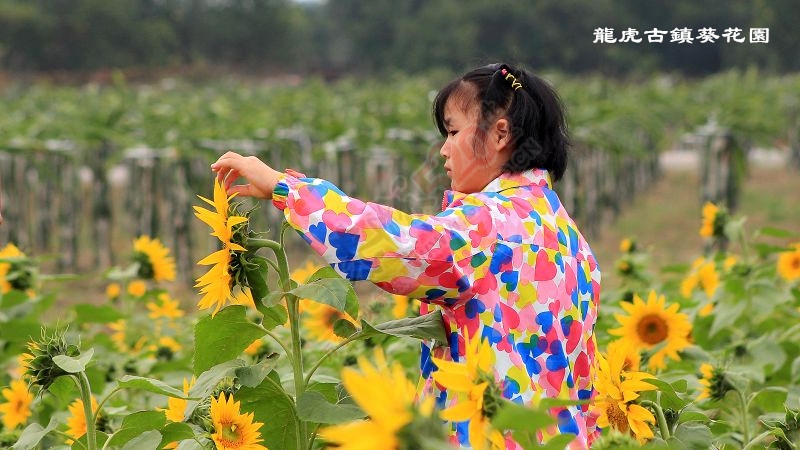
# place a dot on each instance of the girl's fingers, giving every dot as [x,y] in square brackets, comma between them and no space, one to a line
[230,177]
[244,190]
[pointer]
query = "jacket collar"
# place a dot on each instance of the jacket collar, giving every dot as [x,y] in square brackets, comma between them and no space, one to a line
[529,178]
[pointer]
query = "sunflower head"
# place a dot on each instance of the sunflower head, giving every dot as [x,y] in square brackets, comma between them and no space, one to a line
[715,383]
[394,420]
[714,220]
[17,271]
[656,326]
[232,428]
[625,267]
[15,410]
[789,263]
[154,260]
[41,368]
[627,245]
[228,265]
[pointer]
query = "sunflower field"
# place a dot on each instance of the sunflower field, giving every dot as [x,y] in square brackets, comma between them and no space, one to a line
[290,358]
[268,353]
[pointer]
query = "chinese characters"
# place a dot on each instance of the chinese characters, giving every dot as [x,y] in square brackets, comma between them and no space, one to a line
[682,36]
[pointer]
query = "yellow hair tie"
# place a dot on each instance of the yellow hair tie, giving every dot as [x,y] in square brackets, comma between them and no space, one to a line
[514,83]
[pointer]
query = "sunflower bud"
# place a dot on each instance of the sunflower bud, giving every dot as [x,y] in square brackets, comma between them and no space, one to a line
[615,439]
[41,368]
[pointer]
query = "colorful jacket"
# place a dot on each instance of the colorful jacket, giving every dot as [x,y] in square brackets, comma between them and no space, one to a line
[507,263]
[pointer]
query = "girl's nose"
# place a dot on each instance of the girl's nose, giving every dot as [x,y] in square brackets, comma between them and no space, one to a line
[444,149]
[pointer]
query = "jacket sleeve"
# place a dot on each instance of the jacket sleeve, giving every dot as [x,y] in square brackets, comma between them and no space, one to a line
[427,257]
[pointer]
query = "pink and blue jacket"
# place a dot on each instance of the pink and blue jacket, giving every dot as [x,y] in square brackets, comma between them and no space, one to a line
[507,264]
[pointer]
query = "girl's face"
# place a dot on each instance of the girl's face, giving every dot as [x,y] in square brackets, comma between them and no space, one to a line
[470,169]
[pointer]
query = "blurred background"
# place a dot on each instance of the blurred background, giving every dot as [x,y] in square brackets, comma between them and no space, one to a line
[111,111]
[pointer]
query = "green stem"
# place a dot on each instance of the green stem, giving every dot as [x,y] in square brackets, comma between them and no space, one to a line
[758,440]
[660,418]
[68,438]
[313,437]
[293,309]
[283,346]
[329,353]
[254,244]
[745,426]
[86,397]
[104,400]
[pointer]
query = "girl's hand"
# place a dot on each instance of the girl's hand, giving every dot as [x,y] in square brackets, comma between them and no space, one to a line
[261,177]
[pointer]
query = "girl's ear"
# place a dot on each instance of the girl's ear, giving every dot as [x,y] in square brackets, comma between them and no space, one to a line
[502,134]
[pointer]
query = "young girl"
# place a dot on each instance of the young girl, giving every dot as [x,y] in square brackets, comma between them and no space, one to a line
[503,260]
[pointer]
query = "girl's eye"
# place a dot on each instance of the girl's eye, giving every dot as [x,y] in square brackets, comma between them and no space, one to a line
[452,132]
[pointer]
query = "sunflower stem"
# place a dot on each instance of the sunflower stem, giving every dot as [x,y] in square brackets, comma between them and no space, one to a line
[660,418]
[110,394]
[758,440]
[293,309]
[745,427]
[86,397]
[254,244]
[326,355]
[283,346]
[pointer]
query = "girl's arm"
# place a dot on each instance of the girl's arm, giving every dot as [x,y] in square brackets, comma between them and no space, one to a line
[422,256]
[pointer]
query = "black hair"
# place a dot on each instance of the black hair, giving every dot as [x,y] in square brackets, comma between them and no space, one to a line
[534,110]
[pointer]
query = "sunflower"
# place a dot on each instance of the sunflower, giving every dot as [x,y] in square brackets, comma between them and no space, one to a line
[627,245]
[302,274]
[176,407]
[652,324]
[216,284]
[617,382]
[703,274]
[118,336]
[472,382]
[320,319]
[20,282]
[789,263]
[113,291]
[232,429]
[617,390]
[76,423]
[389,410]
[17,407]
[168,309]
[242,295]
[710,220]
[624,267]
[714,383]
[400,308]
[254,347]
[137,288]
[154,260]
[709,278]
[166,344]
[632,358]
[624,417]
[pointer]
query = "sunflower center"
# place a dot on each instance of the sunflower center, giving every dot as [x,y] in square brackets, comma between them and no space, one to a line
[652,329]
[795,263]
[231,434]
[616,417]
